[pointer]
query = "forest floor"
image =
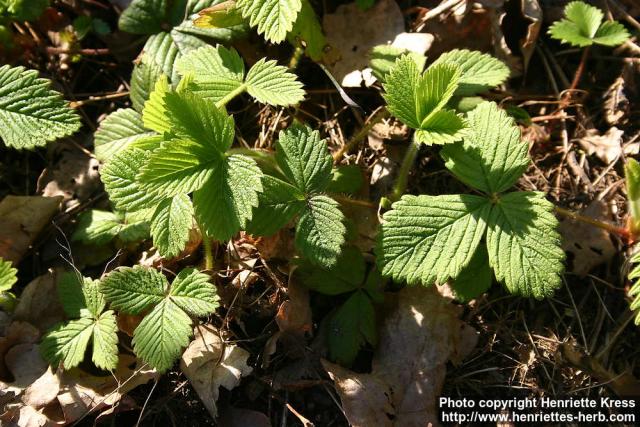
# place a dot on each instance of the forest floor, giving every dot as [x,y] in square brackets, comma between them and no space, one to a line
[582,342]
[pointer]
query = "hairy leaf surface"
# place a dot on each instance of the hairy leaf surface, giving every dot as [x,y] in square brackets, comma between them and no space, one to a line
[193,293]
[320,232]
[273,84]
[272,18]
[171,224]
[478,71]
[117,131]
[31,114]
[133,289]
[524,245]
[429,239]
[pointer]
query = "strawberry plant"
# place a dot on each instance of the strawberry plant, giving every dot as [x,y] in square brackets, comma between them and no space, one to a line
[632,175]
[431,239]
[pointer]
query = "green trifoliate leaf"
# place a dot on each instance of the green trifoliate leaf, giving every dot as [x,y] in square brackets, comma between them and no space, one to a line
[134,289]
[582,26]
[524,245]
[272,18]
[170,225]
[320,232]
[278,204]
[143,79]
[134,231]
[273,84]
[224,204]
[117,132]
[351,327]
[418,100]
[67,343]
[304,158]
[478,71]
[492,156]
[217,71]
[429,239]
[8,275]
[31,114]
[193,293]
[24,10]
[105,341]
[346,275]
[382,59]
[120,180]
[162,334]
[475,278]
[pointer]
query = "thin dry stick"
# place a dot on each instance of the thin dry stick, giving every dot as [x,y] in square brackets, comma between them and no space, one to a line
[375,118]
[76,104]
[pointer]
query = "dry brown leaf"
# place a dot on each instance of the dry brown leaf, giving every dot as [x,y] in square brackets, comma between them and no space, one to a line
[14,334]
[590,246]
[82,392]
[72,174]
[616,104]
[403,386]
[607,147]
[39,303]
[22,218]
[381,24]
[240,417]
[209,363]
[43,390]
[294,315]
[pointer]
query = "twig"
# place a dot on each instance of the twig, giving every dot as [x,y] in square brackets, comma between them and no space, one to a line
[375,118]
[76,104]
[51,50]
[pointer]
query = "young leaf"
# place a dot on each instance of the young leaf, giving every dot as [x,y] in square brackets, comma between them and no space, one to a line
[31,114]
[634,292]
[524,245]
[120,180]
[320,232]
[418,100]
[304,158]
[273,18]
[193,293]
[224,204]
[278,204]
[217,71]
[351,327]
[155,114]
[221,15]
[492,156]
[117,131]
[162,334]
[382,59]
[427,239]
[170,225]
[273,84]
[67,343]
[582,26]
[478,71]
[134,289]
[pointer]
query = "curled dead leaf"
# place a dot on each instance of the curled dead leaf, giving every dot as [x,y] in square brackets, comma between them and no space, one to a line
[607,147]
[402,388]
[209,363]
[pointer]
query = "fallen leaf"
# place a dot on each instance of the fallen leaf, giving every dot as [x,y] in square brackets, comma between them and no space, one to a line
[43,390]
[39,304]
[607,147]
[616,103]
[381,24]
[82,392]
[14,334]
[209,363]
[73,175]
[22,218]
[403,386]
[590,246]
